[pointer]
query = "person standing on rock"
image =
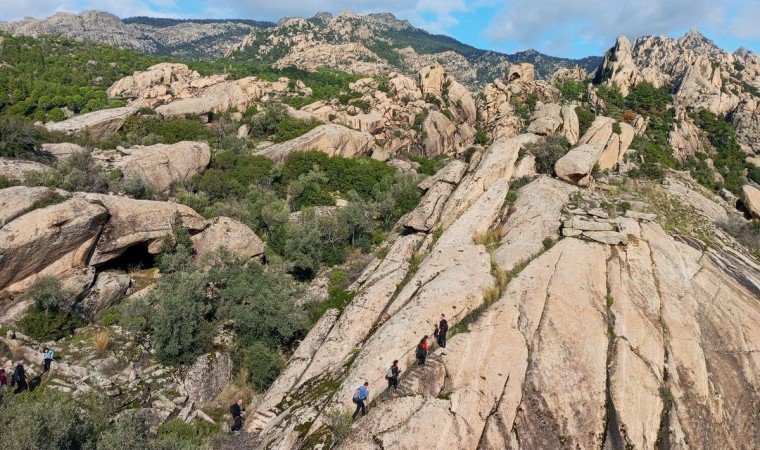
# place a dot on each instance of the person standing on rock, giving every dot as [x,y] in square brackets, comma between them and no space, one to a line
[237,416]
[392,375]
[3,379]
[443,328]
[360,396]
[19,378]
[422,351]
[47,357]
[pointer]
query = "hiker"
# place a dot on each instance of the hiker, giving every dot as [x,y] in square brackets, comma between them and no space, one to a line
[392,375]
[443,327]
[422,351]
[47,357]
[237,415]
[360,396]
[3,379]
[18,378]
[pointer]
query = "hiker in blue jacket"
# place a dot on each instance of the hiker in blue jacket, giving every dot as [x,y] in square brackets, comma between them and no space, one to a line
[360,396]
[47,357]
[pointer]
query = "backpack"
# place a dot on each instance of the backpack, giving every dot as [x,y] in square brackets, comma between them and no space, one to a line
[356,396]
[389,374]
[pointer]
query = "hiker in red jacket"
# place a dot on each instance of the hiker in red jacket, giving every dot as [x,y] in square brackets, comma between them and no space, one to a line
[422,351]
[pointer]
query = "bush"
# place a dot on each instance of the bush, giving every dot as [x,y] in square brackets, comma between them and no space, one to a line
[481,137]
[136,315]
[180,331]
[110,316]
[127,432]
[547,152]
[48,294]
[17,138]
[48,420]
[48,325]
[571,90]
[585,118]
[77,173]
[262,364]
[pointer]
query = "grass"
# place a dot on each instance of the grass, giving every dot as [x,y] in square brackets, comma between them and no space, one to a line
[490,239]
[101,341]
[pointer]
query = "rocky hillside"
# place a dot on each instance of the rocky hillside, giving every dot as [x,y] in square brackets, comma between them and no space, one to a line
[186,38]
[375,43]
[593,243]
[365,44]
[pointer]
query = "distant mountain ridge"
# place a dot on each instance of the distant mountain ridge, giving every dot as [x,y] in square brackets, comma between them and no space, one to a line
[380,41]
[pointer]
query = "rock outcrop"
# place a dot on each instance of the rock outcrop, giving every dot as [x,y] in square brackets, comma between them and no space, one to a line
[208,376]
[162,166]
[16,169]
[618,67]
[334,140]
[49,241]
[176,90]
[231,234]
[576,166]
[139,222]
[98,124]
[751,197]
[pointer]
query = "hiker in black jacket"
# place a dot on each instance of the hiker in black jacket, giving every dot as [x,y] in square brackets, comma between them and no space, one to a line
[392,375]
[237,414]
[19,378]
[443,327]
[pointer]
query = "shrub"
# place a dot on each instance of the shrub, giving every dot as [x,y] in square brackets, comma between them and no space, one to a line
[48,420]
[78,172]
[547,152]
[49,325]
[136,315]
[17,137]
[511,197]
[110,316]
[571,90]
[261,362]
[585,118]
[481,137]
[127,432]
[180,330]
[48,294]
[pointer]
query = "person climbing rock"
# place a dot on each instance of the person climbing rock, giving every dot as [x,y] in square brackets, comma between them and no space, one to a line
[237,416]
[360,396]
[443,328]
[422,351]
[392,375]
[47,357]
[19,378]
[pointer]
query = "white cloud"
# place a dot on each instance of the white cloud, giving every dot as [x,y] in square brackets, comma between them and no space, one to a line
[556,23]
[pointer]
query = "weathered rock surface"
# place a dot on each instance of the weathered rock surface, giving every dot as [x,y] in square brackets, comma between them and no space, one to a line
[99,123]
[63,150]
[50,240]
[334,140]
[139,222]
[209,375]
[618,67]
[15,169]
[536,217]
[751,197]
[231,234]
[577,164]
[17,200]
[109,288]
[160,165]
[497,163]
[188,106]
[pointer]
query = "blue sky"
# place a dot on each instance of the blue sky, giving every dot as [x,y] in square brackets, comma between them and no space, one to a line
[562,28]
